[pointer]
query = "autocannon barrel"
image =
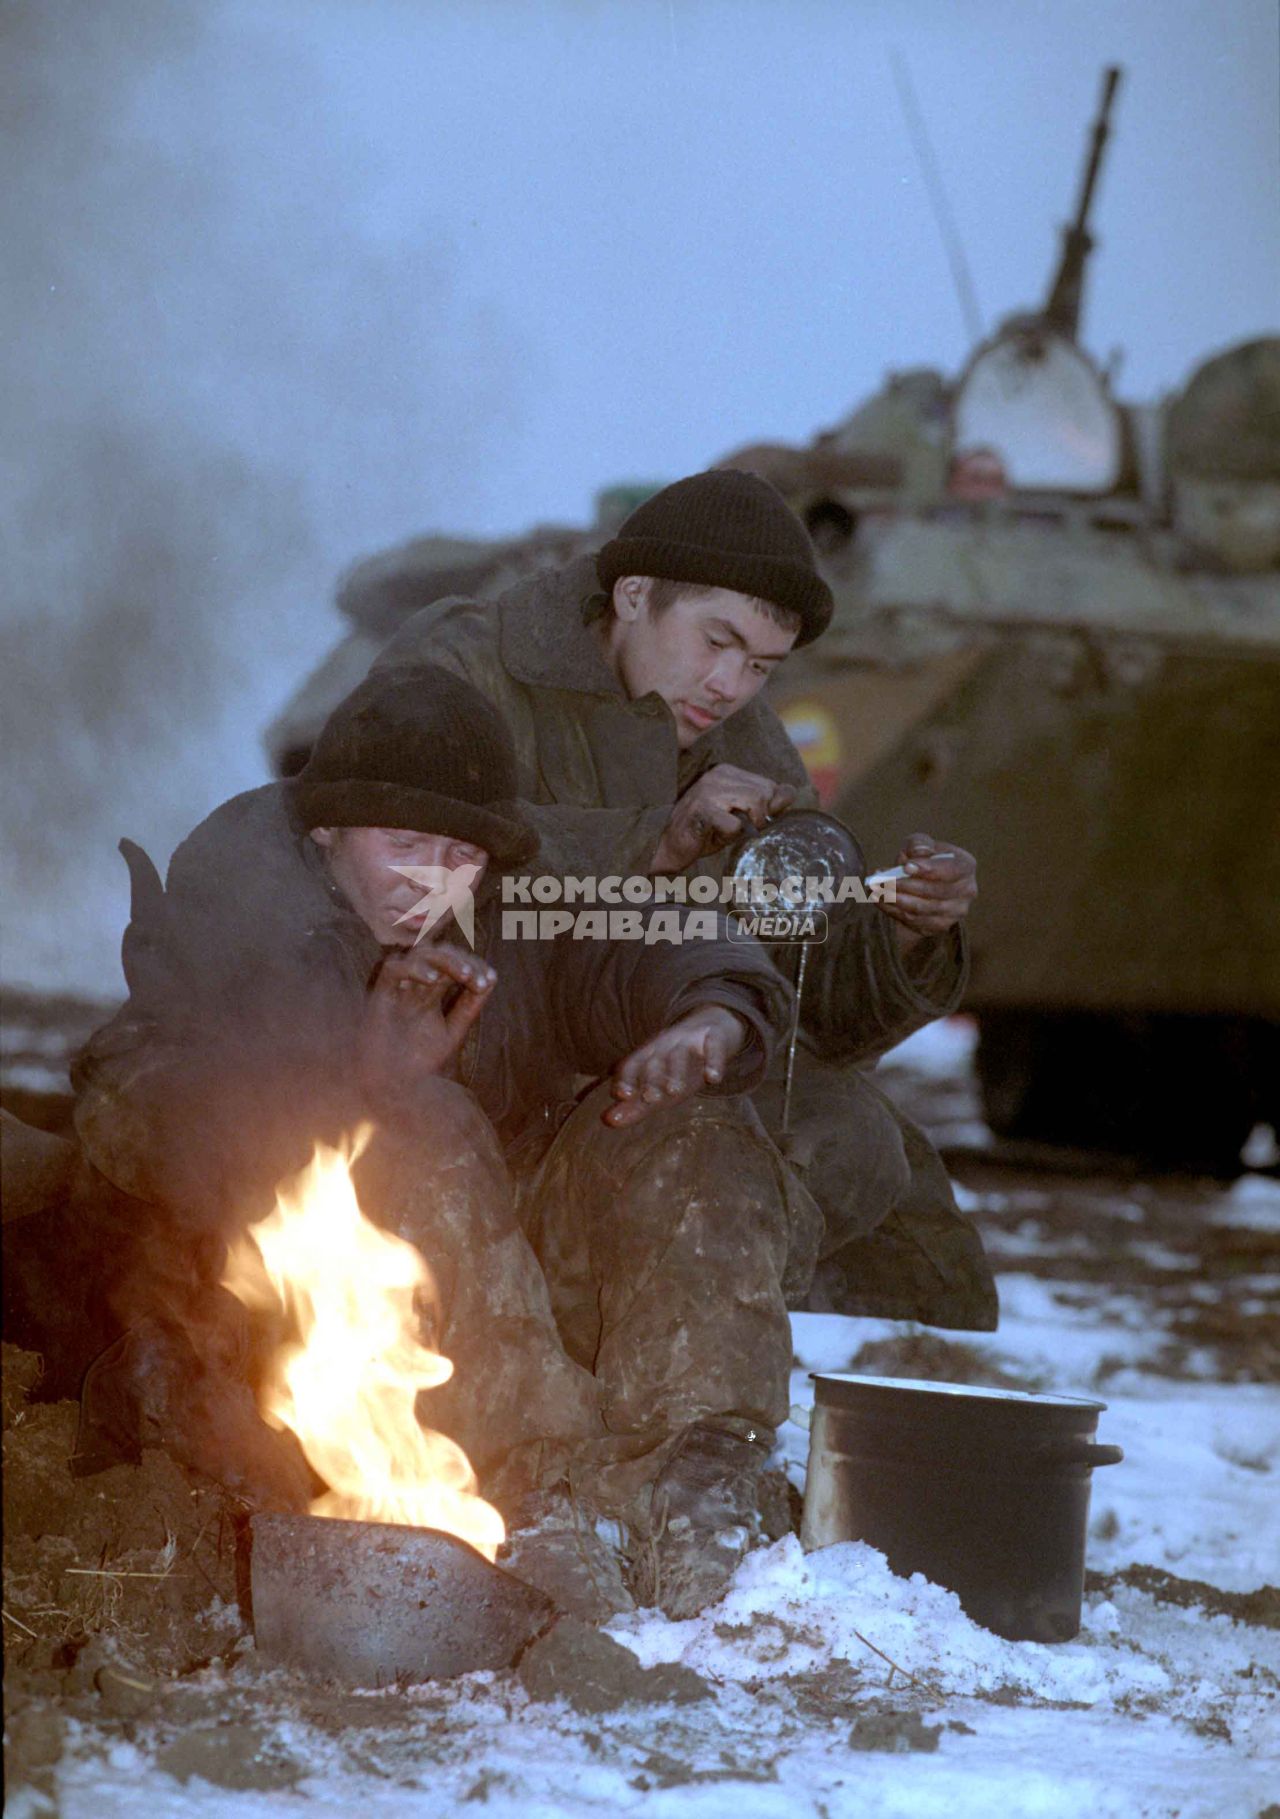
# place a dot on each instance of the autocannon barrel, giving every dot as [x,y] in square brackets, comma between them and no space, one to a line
[1065,293]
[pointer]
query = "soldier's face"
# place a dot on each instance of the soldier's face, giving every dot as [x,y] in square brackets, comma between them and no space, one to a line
[363,862]
[707,654]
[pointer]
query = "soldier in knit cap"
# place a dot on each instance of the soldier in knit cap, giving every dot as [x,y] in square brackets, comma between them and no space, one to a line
[616,1312]
[631,682]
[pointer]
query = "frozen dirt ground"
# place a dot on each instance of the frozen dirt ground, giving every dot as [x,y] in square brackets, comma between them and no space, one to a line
[828,1686]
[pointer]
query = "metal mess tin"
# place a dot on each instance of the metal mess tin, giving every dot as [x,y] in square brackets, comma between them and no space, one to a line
[802,843]
[376,1604]
[984,1491]
[797,846]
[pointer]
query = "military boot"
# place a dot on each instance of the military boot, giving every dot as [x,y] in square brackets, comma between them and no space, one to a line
[703,1517]
[151,1388]
[562,1546]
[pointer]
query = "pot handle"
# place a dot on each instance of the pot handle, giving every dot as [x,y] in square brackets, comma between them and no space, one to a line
[1083,1452]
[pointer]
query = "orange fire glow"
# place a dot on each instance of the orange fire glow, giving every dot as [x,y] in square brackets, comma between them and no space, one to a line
[347,1386]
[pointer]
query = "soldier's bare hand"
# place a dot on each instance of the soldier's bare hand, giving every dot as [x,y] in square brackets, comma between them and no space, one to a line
[423,1002]
[693,1053]
[937,893]
[706,817]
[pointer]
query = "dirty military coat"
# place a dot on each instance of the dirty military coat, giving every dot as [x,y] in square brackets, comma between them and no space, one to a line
[248,977]
[599,774]
[235,1053]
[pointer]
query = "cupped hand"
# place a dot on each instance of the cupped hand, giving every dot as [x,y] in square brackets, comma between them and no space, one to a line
[423,1002]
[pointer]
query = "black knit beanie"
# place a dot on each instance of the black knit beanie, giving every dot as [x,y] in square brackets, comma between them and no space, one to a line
[724,529]
[422,750]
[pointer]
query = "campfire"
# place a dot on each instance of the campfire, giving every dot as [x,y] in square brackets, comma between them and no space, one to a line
[347,1379]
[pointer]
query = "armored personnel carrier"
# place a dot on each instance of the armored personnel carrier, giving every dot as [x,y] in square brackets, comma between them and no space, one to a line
[1057,642]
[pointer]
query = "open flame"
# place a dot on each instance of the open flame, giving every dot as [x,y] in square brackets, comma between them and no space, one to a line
[347,1386]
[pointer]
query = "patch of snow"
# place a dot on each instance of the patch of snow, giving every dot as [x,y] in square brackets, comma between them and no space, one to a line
[826,1342]
[1183,1499]
[1028,1239]
[1252,1202]
[1064,1332]
[789,1613]
[37,1077]
[942,1050]
[970,1201]
[1262,1147]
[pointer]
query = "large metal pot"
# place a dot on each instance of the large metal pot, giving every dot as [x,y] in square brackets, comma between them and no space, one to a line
[985,1491]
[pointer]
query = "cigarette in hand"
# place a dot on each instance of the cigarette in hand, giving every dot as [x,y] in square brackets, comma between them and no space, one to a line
[900,871]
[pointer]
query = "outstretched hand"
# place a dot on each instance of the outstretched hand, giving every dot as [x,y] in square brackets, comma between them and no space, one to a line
[691,1054]
[423,1002]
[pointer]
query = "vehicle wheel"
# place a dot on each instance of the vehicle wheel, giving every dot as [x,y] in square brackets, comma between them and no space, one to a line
[1174,1092]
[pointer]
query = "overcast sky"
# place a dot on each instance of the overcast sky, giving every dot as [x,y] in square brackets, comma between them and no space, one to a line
[290,279]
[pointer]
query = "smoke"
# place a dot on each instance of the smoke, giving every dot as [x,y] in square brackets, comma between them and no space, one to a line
[226,373]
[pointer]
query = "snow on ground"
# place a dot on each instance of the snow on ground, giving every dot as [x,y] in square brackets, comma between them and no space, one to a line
[940,1051]
[790,1613]
[1252,1203]
[1152,1709]
[837,1689]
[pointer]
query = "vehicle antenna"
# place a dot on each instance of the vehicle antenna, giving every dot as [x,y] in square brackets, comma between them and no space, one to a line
[939,201]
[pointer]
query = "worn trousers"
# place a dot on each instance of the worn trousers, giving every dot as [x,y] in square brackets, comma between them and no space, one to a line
[894,1244]
[631,1285]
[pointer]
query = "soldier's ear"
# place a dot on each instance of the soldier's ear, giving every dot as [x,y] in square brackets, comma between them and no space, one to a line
[629,593]
[323,836]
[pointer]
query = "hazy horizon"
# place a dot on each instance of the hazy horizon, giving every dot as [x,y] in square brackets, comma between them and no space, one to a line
[289,282]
